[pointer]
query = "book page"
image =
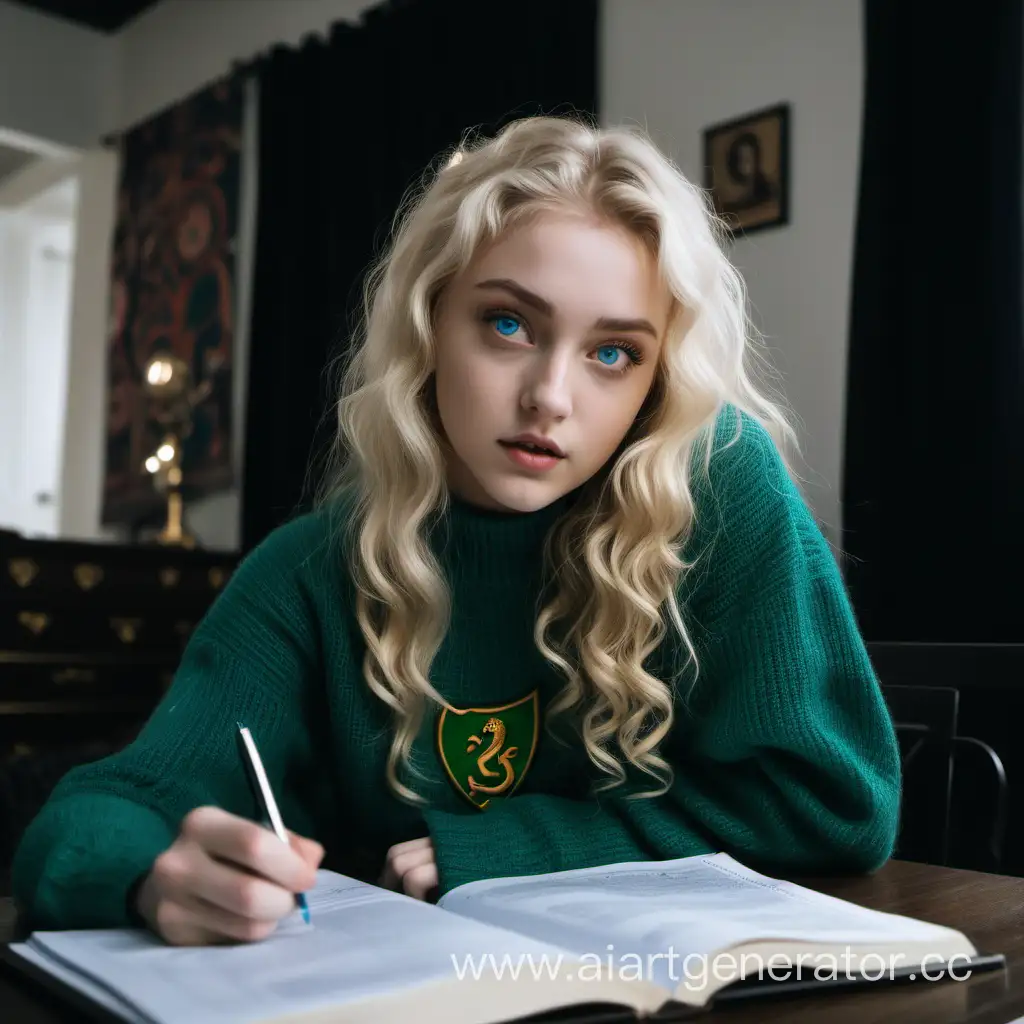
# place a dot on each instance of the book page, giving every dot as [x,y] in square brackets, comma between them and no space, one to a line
[93,990]
[364,942]
[660,913]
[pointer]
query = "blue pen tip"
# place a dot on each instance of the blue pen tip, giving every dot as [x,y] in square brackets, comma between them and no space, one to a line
[304,907]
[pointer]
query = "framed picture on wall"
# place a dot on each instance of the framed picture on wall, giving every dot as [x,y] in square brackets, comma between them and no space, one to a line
[746,169]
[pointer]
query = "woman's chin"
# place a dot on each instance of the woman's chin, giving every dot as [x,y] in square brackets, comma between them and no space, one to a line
[506,490]
[523,495]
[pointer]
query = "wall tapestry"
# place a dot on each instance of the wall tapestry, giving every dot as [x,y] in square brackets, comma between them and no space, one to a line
[173,296]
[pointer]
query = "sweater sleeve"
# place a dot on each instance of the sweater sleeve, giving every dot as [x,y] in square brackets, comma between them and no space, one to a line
[783,752]
[106,822]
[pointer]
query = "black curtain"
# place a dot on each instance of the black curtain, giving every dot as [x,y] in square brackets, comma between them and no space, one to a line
[346,124]
[934,462]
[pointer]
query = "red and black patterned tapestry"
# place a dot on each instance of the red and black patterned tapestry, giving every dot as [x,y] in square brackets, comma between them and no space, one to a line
[173,292]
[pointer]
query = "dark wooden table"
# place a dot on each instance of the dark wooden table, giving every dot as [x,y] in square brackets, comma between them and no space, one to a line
[988,908]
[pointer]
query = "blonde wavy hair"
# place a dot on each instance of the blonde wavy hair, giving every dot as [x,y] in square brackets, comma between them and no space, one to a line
[616,557]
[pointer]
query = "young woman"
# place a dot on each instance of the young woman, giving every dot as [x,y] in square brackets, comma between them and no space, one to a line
[562,606]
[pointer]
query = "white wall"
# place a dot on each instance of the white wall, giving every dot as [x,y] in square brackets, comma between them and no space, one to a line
[86,412]
[47,333]
[59,90]
[13,282]
[57,81]
[49,166]
[677,67]
[36,246]
[178,46]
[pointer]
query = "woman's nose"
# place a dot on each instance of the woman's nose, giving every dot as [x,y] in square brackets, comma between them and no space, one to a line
[548,390]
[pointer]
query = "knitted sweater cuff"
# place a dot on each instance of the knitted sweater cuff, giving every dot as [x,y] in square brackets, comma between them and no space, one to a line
[87,870]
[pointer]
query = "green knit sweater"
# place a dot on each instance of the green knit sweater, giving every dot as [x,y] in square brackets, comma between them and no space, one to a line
[784,753]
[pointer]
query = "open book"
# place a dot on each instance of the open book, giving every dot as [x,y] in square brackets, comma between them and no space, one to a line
[640,939]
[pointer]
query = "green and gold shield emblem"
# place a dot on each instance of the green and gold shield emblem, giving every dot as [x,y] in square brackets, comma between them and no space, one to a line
[487,751]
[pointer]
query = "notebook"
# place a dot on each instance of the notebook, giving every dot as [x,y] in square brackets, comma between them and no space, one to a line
[621,942]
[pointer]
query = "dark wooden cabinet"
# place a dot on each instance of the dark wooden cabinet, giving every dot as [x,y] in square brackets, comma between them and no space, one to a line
[90,635]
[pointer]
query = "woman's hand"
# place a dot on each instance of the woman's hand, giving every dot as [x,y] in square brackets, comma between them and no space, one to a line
[225,879]
[410,868]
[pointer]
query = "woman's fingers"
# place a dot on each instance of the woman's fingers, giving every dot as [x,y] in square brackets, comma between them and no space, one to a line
[194,923]
[225,879]
[421,881]
[402,857]
[228,837]
[178,927]
[308,849]
[410,868]
[239,892]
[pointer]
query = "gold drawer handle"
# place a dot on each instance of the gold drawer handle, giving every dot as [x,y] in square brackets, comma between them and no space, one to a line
[87,575]
[169,577]
[34,622]
[74,675]
[23,571]
[127,630]
[217,577]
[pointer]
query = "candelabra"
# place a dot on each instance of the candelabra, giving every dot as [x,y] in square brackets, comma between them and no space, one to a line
[168,382]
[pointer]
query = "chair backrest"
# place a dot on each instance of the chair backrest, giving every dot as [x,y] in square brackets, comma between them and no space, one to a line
[925,718]
[987,819]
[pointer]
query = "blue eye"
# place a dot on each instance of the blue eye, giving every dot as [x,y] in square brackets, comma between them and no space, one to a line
[506,325]
[605,349]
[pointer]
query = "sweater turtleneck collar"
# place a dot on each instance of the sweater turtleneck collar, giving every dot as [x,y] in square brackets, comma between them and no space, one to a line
[474,539]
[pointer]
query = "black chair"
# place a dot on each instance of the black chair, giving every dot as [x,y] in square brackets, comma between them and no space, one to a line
[977,759]
[933,806]
[925,719]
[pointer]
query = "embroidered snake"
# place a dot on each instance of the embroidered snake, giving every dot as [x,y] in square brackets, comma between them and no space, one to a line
[496,728]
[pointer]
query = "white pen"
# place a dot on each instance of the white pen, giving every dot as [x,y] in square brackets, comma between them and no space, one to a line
[264,795]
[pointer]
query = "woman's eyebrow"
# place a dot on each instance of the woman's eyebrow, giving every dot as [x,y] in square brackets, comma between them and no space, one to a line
[529,298]
[626,326]
[523,294]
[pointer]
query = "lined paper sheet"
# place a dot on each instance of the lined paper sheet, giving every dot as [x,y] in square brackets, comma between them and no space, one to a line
[364,942]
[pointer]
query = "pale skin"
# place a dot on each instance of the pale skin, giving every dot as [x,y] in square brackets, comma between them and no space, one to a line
[555,329]
[225,879]
[534,335]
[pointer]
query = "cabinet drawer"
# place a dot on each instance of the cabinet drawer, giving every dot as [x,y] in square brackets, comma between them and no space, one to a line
[28,679]
[63,726]
[90,627]
[55,568]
